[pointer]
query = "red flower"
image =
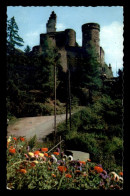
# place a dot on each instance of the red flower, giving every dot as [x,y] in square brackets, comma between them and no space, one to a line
[11,147]
[121,173]
[98,169]
[26,156]
[45,154]
[24,171]
[62,168]
[56,153]
[12,150]
[53,175]
[22,138]
[88,160]
[36,152]
[68,176]
[7,144]
[44,149]
[32,164]
[15,138]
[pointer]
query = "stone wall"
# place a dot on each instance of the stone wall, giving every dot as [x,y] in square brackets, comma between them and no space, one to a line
[102,55]
[63,59]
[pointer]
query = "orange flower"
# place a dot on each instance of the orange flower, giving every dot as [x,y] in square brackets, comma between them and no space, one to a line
[45,154]
[24,171]
[121,173]
[22,138]
[78,172]
[98,169]
[53,175]
[56,153]
[88,160]
[32,164]
[62,168]
[83,162]
[15,138]
[44,149]
[36,152]
[7,144]
[11,147]
[12,150]
[68,176]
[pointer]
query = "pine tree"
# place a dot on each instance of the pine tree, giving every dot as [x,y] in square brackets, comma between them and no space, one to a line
[27,49]
[13,38]
[92,78]
[50,58]
[88,73]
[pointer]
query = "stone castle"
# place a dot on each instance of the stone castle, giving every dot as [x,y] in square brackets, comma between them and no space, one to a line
[65,43]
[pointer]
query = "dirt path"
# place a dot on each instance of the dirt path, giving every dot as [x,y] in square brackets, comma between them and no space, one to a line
[40,126]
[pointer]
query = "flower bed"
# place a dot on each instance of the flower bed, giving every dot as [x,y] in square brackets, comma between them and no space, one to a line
[38,169]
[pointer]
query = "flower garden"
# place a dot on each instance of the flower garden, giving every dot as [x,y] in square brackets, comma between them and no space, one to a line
[41,169]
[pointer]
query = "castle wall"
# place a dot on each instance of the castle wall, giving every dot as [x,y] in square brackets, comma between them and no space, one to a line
[70,37]
[101,55]
[37,49]
[73,56]
[60,39]
[63,59]
[47,40]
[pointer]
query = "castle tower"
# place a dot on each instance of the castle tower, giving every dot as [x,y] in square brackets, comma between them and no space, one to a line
[70,37]
[90,36]
[51,24]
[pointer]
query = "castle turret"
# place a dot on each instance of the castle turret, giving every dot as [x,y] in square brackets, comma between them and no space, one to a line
[51,24]
[70,37]
[90,36]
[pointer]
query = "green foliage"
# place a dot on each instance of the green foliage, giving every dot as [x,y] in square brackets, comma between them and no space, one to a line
[115,148]
[27,49]
[13,37]
[36,109]
[87,77]
[97,129]
[26,73]
[32,142]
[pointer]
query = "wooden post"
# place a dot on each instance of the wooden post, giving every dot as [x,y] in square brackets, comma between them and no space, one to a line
[69,99]
[55,102]
[68,93]
[60,143]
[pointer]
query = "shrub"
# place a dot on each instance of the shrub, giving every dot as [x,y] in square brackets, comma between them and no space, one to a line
[36,109]
[32,142]
[114,148]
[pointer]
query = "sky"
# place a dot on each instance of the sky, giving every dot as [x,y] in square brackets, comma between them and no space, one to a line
[32,22]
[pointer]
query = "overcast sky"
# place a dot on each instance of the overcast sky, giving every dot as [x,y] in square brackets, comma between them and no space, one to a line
[32,21]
